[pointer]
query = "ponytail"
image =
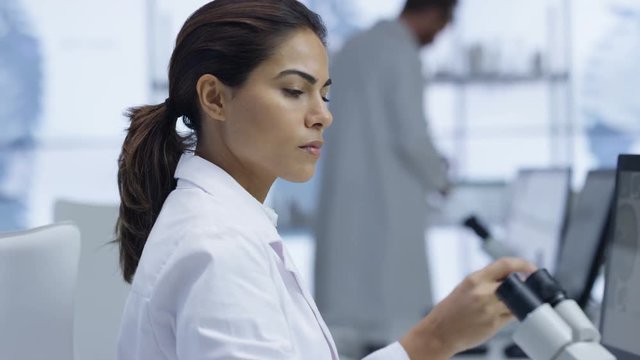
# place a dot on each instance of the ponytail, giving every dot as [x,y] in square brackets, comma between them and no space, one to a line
[146,166]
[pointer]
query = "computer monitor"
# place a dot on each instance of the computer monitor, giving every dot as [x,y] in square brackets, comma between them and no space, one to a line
[584,242]
[536,217]
[620,318]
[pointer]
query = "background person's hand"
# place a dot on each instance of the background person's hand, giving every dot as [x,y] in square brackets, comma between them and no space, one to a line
[468,316]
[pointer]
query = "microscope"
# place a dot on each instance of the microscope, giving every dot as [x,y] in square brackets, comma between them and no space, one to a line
[493,247]
[552,326]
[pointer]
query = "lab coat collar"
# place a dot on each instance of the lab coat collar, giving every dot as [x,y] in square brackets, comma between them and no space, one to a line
[271,214]
[217,182]
[209,177]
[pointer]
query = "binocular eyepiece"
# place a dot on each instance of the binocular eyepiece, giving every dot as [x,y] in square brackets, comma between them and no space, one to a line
[522,297]
[552,326]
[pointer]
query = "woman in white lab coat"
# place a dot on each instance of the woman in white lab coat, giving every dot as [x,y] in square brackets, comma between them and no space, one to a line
[211,278]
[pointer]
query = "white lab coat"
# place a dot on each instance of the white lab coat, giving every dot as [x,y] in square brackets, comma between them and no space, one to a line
[216,282]
[371,272]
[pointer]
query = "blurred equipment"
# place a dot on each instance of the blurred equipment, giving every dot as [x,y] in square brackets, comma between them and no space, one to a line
[582,249]
[584,243]
[493,247]
[620,318]
[552,326]
[487,200]
[536,218]
[38,270]
[583,246]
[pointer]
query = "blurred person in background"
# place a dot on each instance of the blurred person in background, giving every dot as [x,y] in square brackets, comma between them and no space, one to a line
[371,272]
[20,105]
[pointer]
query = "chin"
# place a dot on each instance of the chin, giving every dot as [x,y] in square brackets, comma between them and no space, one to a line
[300,176]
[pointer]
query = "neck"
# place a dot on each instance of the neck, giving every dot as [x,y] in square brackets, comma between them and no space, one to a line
[412,22]
[256,185]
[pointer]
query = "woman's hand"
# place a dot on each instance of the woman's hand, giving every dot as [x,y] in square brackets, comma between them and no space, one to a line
[465,318]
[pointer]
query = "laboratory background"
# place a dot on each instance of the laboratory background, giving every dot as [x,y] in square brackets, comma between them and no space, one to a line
[524,99]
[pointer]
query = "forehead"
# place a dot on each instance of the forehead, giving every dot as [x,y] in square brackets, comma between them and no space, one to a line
[302,50]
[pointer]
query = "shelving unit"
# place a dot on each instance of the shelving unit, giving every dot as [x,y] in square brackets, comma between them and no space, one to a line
[503,79]
[549,76]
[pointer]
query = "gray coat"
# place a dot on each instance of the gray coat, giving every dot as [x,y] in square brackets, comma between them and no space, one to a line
[378,165]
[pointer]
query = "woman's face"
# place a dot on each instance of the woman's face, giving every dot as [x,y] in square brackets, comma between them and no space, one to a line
[273,124]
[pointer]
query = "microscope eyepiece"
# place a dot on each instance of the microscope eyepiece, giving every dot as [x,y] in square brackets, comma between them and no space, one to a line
[517,296]
[552,326]
[546,287]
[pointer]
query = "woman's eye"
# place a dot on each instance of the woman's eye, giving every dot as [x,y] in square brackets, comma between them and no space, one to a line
[293,92]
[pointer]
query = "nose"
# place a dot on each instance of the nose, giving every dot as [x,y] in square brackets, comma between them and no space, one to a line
[319,117]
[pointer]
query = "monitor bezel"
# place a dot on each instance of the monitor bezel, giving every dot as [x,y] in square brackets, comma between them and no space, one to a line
[626,162]
[598,257]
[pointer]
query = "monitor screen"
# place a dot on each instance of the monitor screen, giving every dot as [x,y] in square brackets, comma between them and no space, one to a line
[537,213]
[583,245]
[620,322]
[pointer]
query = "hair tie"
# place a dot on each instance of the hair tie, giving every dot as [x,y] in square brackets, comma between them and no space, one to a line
[170,108]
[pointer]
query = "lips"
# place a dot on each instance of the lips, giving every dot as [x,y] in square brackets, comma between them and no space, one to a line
[312,148]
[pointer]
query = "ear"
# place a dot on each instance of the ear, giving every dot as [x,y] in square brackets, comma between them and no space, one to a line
[213,96]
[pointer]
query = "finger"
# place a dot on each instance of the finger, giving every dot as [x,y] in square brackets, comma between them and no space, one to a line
[499,269]
[495,305]
[501,309]
[505,319]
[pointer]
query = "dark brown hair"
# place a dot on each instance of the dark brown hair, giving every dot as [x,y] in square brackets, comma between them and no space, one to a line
[446,6]
[225,38]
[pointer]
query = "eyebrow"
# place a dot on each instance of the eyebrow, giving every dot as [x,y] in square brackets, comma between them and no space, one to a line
[312,80]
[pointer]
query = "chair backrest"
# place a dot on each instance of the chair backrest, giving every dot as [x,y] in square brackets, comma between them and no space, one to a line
[38,271]
[101,291]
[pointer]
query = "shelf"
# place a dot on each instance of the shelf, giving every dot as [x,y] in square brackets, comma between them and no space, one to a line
[497,79]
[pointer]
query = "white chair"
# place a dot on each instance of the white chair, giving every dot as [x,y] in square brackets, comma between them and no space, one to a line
[101,291]
[38,271]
